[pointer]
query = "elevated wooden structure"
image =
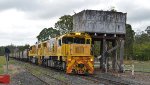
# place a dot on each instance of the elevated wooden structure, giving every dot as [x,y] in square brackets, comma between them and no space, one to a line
[104,26]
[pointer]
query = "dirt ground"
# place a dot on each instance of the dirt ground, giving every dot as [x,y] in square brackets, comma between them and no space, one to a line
[19,76]
[142,78]
[138,76]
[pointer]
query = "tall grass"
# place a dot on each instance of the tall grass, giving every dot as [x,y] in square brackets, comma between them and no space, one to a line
[2,62]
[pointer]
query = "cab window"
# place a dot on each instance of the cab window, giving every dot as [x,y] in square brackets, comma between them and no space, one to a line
[88,41]
[44,44]
[75,40]
[67,40]
[59,42]
[79,40]
[39,46]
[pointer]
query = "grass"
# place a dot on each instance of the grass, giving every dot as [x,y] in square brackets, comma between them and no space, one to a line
[3,62]
[143,66]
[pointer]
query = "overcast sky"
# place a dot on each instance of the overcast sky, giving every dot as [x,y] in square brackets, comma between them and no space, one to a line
[22,20]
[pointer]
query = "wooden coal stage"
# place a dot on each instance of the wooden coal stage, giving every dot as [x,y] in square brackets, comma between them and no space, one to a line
[108,27]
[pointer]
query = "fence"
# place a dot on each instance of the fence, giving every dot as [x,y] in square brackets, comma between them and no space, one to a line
[140,66]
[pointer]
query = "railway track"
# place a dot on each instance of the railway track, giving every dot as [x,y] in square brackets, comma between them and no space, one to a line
[100,80]
[97,80]
[108,81]
[48,75]
[90,79]
[38,78]
[32,70]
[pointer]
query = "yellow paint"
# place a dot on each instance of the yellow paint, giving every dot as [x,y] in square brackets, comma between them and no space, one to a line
[73,54]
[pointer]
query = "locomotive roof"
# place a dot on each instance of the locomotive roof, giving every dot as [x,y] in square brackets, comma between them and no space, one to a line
[72,34]
[76,34]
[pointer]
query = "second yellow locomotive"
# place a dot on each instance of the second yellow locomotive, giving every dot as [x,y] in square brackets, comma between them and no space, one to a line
[70,52]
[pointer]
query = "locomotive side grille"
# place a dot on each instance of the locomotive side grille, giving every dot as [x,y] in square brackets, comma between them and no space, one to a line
[79,49]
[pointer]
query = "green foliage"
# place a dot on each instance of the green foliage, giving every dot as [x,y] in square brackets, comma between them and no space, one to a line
[129,40]
[96,48]
[46,33]
[141,38]
[62,26]
[142,47]
[113,9]
[12,48]
[2,62]
[53,32]
[136,46]
[43,35]
[2,50]
[65,24]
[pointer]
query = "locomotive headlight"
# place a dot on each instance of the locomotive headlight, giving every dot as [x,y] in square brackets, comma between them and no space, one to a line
[91,59]
[69,59]
[78,33]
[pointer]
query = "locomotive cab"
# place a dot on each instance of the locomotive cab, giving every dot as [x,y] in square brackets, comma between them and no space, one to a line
[77,49]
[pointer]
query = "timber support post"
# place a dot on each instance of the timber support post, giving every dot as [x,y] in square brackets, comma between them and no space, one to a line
[101,52]
[104,54]
[114,56]
[105,26]
[121,69]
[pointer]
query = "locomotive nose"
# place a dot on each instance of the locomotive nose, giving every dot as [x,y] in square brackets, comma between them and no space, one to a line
[80,65]
[81,68]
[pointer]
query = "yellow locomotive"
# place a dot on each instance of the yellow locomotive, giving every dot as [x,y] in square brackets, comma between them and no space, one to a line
[70,52]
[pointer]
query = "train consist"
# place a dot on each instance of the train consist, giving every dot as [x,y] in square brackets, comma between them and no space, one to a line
[70,52]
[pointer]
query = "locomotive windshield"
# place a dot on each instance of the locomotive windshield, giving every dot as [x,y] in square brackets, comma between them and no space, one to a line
[75,40]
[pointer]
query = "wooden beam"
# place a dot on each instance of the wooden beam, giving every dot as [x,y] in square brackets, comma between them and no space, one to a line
[101,52]
[104,53]
[121,54]
[114,56]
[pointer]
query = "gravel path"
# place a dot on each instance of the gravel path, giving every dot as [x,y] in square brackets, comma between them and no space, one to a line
[29,74]
[25,78]
[138,78]
[63,77]
[48,75]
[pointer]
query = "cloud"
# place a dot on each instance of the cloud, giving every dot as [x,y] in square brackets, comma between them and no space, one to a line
[138,12]
[22,20]
[24,5]
[139,15]
[46,8]
[17,29]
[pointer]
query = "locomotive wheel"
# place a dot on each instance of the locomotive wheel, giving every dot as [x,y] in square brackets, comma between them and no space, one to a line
[36,61]
[63,65]
[53,64]
[30,59]
[50,63]
[44,62]
[33,60]
[39,61]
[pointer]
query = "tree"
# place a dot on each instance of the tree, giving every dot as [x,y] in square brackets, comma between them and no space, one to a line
[53,32]
[42,36]
[142,46]
[129,40]
[141,38]
[113,9]
[65,24]
[46,33]
[12,47]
